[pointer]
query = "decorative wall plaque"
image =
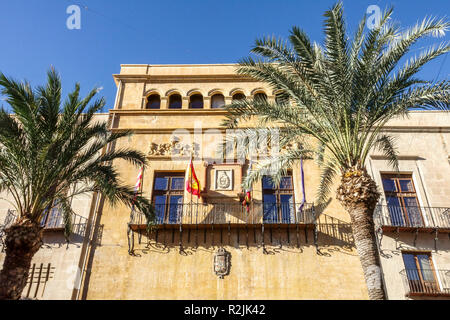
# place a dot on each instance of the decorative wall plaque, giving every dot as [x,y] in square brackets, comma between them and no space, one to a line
[222,263]
[173,148]
[223,179]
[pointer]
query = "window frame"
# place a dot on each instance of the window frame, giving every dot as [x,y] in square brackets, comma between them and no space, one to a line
[278,192]
[423,283]
[169,192]
[401,195]
[238,96]
[260,96]
[147,105]
[54,213]
[191,102]
[170,101]
[212,101]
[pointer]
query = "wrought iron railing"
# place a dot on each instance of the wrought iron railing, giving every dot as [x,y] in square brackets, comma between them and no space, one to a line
[415,217]
[9,220]
[50,220]
[229,213]
[426,281]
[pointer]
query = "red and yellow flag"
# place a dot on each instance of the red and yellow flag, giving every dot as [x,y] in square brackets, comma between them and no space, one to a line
[192,183]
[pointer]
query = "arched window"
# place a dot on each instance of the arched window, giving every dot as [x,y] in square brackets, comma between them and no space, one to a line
[153,102]
[217,101]
[238,96]
[175,101]
[261,96]
[196,101]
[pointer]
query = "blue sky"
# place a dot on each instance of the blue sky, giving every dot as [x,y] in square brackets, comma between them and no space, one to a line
[34,35]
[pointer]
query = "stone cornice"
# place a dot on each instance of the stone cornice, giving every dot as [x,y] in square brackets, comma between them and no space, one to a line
[417,129]
[169,130]
[217,112]
[399,157]
[181,112]
[164,130]
[181,78]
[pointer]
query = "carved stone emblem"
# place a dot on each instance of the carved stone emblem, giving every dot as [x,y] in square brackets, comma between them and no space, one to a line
[222,263]
[224,180]
[173,148]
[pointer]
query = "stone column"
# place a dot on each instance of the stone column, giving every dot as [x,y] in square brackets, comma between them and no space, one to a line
[164,103]
[184,102]
[206,102]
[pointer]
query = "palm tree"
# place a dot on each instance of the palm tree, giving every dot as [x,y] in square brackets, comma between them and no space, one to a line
[338,96]
[50,153]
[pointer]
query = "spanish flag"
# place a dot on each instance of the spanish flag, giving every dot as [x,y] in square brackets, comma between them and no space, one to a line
[192,183]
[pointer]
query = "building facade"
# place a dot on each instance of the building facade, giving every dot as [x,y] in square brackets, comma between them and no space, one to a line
[413,219]
[283,245]
[280,247]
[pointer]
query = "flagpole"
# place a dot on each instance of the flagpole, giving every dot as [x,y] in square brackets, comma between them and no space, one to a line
[190,178]
[303,187]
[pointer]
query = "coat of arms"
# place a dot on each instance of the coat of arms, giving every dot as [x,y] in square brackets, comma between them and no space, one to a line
[222,263]
[224,180]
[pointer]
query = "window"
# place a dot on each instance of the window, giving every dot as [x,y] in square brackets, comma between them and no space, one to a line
[53,219]
[260,96]
[153,102]
[196,101]
[281,98]
[217,101]
[175,101]
[278,202]
[420,272]
[238,96]
[402,200]
[168,190]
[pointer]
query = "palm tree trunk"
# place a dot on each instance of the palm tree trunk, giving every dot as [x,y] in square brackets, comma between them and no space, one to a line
[22,241]
[365,242]
[359,196]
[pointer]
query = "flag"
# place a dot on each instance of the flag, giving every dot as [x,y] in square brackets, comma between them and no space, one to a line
[137,186]
[248,192]
[192,183]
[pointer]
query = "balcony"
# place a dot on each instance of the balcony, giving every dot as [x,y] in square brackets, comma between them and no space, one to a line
[432,283]
[228,214]
[50,221]
[425,219]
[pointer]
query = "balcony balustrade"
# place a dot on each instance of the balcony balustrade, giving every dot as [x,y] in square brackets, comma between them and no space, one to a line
[403,218]
[53,220]
[234,214]
[426,282]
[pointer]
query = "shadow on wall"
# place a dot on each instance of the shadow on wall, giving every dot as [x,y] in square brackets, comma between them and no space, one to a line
[56,238]
[411,241]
